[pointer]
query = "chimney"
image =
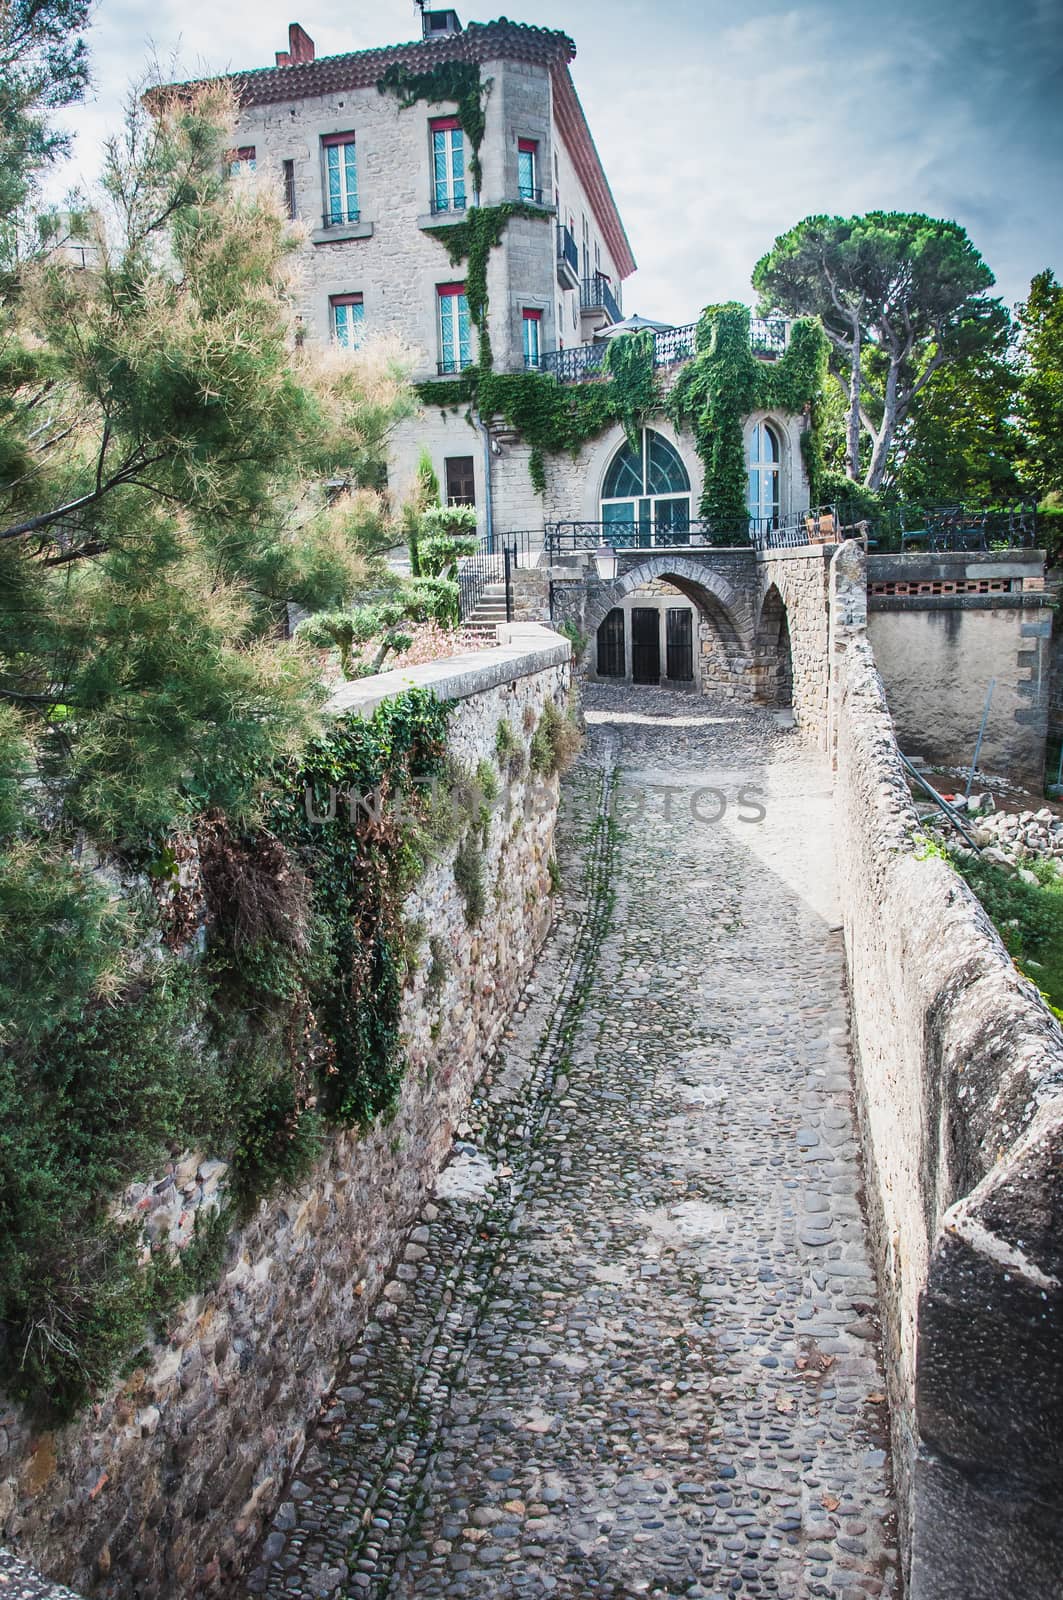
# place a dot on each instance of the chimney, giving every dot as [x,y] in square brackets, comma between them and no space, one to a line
[300,48]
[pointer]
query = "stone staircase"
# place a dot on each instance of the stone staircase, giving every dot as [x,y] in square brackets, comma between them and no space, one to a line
[488,612]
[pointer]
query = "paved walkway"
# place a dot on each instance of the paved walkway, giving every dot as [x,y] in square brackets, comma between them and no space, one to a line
[632,1347]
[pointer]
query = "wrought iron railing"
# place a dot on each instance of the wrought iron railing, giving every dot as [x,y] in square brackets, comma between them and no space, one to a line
[453,366]
[494,562]
[566,248]
[528,195]
[944,528]
[443,205]
[595,292]
[342,218]
[768,335]
[674,345]
[671,346]
[568,537]
[578,362]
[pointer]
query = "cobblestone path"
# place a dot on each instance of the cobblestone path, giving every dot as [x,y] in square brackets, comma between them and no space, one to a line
[631,1348]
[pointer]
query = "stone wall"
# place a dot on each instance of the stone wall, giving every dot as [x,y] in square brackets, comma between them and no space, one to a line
[156,1492]
[762,624]
[942,627]
[960,1089]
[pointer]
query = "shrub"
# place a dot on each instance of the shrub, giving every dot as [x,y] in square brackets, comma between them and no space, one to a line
[555,743]
[469,877]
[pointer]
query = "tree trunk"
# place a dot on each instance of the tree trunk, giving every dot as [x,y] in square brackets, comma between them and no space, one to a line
[852,430]
[884,438]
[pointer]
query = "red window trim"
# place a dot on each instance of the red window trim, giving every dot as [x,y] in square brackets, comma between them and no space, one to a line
[530,314]
[444,289]
[443,124]
[528,147]
[346,300]
[245,152]
[338,138]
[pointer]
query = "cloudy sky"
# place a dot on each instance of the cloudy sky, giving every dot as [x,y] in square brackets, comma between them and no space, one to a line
[720,126]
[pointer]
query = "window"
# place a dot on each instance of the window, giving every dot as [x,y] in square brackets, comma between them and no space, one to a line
[289,189]
[646,494]
[455,331]
[764,456]
[242,160]
[586,246]
[341,179]
[348,315]
[528,170]
[461,481]
[532,322]
[448,165]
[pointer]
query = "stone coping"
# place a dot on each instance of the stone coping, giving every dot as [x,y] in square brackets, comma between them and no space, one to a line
[523,648]
[928,565]
[19,1582]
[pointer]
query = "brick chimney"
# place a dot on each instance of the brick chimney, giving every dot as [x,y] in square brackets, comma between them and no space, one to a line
[300,47]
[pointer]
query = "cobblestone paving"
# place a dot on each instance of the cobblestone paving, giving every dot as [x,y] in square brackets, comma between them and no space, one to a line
[631,1348]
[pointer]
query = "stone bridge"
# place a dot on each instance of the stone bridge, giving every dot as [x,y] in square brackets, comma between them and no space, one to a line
[762,618]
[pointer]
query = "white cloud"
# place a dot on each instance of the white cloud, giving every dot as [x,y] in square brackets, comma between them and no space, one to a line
[719,132]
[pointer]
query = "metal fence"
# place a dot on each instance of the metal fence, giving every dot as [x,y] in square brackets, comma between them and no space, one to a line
[595,292]
[943,528]
[493,563]
[720,533]
[767,336]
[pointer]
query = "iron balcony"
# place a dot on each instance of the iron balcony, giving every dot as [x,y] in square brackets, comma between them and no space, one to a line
[768,337]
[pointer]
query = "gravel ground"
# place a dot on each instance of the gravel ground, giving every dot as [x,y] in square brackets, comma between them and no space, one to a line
[632,1348]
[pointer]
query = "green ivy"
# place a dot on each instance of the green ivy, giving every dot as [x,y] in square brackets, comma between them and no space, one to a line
[291,1017]
[451,82]
[724,382]
[360,867]
[472,241]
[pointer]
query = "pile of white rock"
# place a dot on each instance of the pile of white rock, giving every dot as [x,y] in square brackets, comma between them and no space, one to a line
[1011,838]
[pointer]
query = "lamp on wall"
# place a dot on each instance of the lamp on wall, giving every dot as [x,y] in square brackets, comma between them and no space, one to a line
[605,561]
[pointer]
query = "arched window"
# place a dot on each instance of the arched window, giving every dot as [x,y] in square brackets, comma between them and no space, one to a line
[764,453]
[646,493]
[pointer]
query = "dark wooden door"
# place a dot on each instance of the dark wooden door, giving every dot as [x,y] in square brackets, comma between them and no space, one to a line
[679,644]
[611,662]
[646,645]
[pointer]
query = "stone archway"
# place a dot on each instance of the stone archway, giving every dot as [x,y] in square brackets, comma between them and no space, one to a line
[773,665]
[724,644]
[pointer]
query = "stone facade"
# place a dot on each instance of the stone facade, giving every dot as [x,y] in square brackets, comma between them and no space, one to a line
[959,1067]
[942,626]
[761,619]
[390,259]
[155,1492]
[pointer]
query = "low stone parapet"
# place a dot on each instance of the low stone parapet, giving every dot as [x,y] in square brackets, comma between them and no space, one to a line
[960,1089]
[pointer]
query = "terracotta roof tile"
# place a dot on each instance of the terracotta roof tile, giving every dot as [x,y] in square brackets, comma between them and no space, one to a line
[360,69]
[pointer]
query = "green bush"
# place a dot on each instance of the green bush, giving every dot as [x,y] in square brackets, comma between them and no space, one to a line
[555,742]
[469,877]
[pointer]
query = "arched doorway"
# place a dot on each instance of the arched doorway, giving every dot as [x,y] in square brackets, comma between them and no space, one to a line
[772,654]
[645,498]
[698,644]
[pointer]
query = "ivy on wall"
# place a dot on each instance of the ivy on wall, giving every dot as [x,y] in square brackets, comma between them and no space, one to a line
[725,382]
[451,82]
[472,241]
[290,1020]
[554,418]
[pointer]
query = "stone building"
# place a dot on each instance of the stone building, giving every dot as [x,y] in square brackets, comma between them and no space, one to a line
[452,194]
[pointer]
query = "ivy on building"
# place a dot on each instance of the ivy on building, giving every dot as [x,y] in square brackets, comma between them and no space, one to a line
[451,82]
[471,241]
[556,418]
[725,382]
